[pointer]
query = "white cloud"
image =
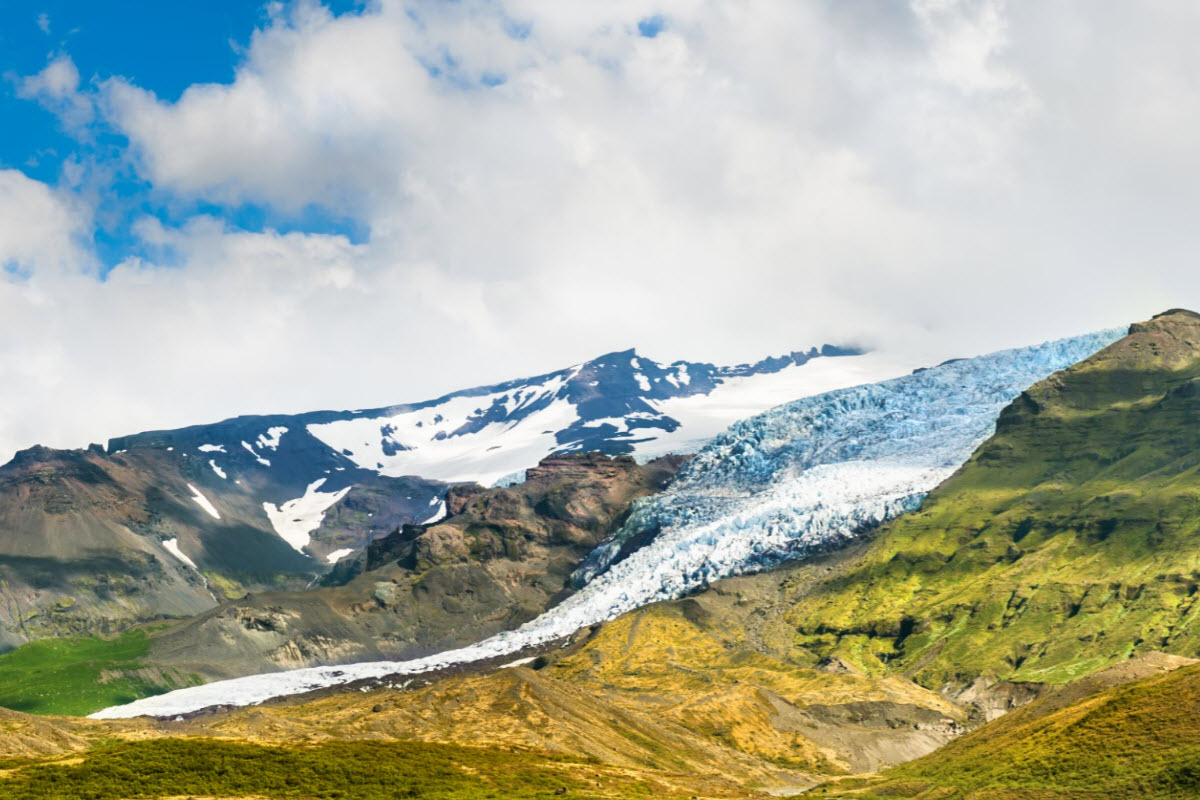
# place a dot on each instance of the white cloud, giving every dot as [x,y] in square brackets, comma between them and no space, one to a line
[240,322]
[608,166]
[40,229]
[966,38]
[947,176]
[57,89]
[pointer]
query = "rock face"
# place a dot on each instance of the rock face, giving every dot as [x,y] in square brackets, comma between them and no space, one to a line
[91,542]
[502,557]
[568,503]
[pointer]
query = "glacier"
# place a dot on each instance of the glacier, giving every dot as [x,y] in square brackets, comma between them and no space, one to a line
[618,403]
[262,468]
[801,478]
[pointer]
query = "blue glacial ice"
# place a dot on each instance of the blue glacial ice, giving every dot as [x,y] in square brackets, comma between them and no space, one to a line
[801,478]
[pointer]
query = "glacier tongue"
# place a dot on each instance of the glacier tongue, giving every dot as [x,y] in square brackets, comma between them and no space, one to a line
[800,478]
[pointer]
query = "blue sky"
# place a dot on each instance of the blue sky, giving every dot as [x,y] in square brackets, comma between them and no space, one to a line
[162,47]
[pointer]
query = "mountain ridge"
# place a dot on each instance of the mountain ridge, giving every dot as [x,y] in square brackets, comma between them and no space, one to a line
[1055,561]
[915,429]
[260,503]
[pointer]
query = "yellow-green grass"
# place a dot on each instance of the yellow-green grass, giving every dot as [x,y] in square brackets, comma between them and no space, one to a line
[361,770]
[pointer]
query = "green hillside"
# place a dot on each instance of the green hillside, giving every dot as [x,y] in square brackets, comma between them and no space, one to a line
[78,675]
[1070,540]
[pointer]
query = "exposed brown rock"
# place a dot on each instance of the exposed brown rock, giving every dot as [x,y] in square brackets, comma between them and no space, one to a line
[501,557]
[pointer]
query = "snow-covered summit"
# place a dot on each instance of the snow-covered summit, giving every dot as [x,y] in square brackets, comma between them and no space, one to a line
[286,473]
[804,477]
[619,403]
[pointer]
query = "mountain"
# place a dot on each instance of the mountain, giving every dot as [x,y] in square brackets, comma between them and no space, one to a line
[620,403]
[1063,545]
[991,633]
[170,523]
[1066,543]
[808,476]
[500,557]
[91,543]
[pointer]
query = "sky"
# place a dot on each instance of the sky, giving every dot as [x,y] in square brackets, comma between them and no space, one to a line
[223,208]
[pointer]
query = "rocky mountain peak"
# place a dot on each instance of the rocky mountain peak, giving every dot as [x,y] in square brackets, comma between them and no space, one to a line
[1145,364]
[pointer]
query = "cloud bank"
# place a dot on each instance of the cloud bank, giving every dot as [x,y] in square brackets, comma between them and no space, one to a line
[536,183]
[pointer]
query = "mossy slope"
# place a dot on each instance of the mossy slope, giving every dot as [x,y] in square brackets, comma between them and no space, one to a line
[1070,539]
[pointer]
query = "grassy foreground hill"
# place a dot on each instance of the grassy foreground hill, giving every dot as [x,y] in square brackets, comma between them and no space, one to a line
[355,770]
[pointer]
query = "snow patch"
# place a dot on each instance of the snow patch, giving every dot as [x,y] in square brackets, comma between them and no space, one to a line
[270,439]
[437,514]
[520,662]
[212,448]
[220,472]
[428,441]
[172,547]
[338,555]
[295,520]
[204,502]
[249,447]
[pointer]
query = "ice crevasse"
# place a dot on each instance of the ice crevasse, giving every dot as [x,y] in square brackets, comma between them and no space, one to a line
[801,478]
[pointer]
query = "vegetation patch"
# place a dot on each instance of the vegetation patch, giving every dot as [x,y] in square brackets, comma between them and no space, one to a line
[76,676]
[187,767]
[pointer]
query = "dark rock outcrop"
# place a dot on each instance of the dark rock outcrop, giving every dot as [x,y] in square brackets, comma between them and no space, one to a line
[499,558]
